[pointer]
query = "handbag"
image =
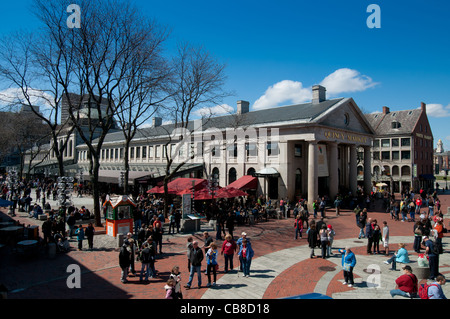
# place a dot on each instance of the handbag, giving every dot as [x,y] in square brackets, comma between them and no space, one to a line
[346,266]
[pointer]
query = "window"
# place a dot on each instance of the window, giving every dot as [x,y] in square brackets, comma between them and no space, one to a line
[232,150]
[272,148]
[131,152]
[376,143]
[406,155]
[376,155]
[406,141]
[251,149]
[150,151]
[385,143]
[157,151]
[138,152]
[144,152]
[298,150]
[394,142]
[395,155]
[385,155]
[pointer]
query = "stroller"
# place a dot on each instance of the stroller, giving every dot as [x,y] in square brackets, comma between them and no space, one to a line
[62,244]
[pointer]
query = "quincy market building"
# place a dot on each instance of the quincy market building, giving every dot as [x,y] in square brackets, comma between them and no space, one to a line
[306,150]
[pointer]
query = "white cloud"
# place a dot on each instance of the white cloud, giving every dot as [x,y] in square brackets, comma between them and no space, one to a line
[346,80]
[12,96]
[438,110]
[282,92]
[214,111]
[340,81]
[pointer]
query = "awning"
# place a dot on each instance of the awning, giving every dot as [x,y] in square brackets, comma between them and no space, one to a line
[112,176]
[178,185]
[245,182]
[267,172]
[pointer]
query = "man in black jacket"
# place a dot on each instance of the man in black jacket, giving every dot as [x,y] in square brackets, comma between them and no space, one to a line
[125,260]
[196,262]
[369,235]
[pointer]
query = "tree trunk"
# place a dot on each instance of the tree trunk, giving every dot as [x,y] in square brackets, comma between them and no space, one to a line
[96,192]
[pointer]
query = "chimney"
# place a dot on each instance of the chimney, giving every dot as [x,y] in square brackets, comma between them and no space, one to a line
[243,107]
[318,94]
[157,121]
[423,106]
[386,110]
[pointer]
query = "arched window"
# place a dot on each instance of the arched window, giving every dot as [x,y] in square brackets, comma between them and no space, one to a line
[231,175]
[395,170]
[251,171]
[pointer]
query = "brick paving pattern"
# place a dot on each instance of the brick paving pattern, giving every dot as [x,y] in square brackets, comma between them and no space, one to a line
[44,278]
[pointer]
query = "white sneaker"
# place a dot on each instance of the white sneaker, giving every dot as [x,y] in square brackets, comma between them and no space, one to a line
[386,262]
[350,285]
[344,283]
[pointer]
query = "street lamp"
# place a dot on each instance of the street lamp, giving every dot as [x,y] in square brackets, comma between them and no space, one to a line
[65,189]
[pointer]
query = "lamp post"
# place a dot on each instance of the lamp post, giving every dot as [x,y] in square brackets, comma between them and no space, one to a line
[65,189]
[12,179]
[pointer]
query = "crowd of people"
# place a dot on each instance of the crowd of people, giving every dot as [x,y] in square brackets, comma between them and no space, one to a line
[146,244]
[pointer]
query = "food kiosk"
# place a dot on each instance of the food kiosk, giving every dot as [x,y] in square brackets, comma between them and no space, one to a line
[119,215]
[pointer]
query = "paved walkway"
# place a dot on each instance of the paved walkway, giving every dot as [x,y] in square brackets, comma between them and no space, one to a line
[281,266]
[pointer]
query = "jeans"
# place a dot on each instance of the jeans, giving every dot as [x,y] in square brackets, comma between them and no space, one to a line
[361,233]
[146,269]
[245,265]
[394,263]
[137,225]
[228,260]
[195,269]
[398,292]
[329,248]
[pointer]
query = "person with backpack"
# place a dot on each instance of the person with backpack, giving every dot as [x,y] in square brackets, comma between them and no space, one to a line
[435,289]
[432,251]
[407,284]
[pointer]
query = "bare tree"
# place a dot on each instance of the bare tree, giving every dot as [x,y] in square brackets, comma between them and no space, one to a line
[29,78]
[198,81]
[101,65]
[149,75]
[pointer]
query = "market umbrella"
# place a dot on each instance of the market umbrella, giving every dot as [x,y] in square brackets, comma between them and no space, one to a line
[381,185]
[230,192]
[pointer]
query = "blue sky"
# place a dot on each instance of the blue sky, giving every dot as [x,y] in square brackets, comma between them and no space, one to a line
[276,50]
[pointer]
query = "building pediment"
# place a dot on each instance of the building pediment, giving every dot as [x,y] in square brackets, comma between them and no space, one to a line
[345,116]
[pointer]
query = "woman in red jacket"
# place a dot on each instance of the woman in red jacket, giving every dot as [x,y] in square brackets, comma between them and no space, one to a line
[228,250]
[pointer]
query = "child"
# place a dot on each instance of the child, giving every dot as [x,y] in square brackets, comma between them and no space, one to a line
[170,289]
[176,276]
[80,236]
[211,263]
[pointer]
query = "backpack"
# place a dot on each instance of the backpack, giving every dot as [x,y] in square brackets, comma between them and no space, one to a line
[423,290]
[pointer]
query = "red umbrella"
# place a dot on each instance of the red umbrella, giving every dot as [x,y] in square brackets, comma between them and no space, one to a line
[230,192]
